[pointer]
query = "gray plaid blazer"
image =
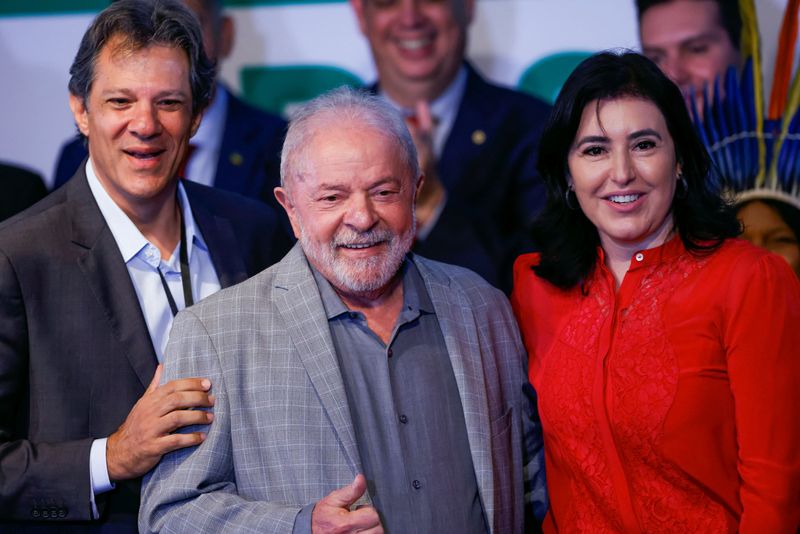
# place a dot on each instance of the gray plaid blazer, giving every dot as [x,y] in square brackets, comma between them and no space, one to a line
[282,435]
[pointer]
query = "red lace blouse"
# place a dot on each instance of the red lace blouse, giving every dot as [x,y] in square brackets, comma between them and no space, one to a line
[672,405]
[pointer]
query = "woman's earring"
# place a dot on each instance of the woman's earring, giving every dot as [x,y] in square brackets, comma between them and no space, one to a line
[683,187]
[570,205]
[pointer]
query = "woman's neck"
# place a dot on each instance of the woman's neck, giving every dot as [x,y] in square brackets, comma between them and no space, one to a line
[618,253]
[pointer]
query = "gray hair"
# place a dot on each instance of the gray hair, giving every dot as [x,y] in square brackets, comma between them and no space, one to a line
[143,23]
[342,105]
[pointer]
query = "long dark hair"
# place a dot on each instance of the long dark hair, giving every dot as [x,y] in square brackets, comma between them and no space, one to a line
[567,238]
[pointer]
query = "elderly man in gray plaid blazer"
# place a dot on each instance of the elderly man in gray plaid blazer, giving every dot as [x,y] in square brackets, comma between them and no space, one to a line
[357,387]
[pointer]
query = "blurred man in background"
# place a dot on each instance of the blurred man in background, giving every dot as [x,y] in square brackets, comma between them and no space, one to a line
[692,41]
[476,141]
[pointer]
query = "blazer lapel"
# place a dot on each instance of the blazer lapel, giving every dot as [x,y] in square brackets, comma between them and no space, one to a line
[223,245]
[297,297]
[236,156]
[108,278]
[468,135]
[457,322]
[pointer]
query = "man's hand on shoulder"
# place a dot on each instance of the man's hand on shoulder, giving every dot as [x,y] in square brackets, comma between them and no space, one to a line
[332,513]
[147,433]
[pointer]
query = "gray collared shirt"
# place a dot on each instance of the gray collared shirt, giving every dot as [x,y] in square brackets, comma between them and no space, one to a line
[407,415]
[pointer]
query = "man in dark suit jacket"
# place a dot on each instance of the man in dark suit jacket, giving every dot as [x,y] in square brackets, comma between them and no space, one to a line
[79,348]
[477,142]
[19,188]
[242,143]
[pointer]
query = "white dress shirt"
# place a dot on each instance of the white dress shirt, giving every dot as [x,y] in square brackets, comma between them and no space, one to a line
[143,260]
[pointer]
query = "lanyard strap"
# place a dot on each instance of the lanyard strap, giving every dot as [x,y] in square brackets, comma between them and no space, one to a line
[185,275]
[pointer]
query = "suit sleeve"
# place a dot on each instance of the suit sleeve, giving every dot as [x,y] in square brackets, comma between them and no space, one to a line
[194,489]
[520,392]
[762,336]
[535,483]
[38,481]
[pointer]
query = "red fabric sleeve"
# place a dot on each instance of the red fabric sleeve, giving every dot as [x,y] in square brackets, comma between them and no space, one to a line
[761,335]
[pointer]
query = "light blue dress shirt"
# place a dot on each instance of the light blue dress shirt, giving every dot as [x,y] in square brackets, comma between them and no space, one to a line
[143,260]
[207,142]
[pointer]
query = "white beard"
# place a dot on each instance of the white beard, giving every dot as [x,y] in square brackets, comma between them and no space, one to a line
[364,275]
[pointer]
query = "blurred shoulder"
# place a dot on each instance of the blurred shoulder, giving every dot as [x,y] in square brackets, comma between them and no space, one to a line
[504,99]
[240,110]
[229,204]
[45,220]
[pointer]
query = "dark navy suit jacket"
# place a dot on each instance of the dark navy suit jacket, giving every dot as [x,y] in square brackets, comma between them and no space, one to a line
[249,157]
[488,167]
[75,353]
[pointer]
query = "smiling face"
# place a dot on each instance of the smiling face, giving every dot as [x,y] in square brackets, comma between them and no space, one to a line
[686,39]
[350,203]
[623,169]
[417,43]
[138,119]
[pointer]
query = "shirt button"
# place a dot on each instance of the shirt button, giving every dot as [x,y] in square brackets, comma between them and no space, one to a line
[403,418]
[639,256]
[417,484]
[390,353]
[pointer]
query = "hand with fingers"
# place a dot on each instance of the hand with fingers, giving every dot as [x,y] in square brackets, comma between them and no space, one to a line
[432,192]
[332,513]
[147,433]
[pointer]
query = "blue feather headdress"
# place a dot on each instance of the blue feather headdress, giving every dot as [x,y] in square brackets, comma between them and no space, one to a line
[756,150]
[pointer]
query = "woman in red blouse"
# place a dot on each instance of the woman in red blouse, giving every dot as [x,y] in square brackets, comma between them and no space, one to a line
[665,352]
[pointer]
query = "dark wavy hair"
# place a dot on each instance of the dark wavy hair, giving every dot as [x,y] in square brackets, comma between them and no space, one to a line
[143,23]
[730,18]
[567,238]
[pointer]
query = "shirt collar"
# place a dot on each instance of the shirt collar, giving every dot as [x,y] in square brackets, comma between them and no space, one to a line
[446,105]
[415,296]
[128,237]
[668,250]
